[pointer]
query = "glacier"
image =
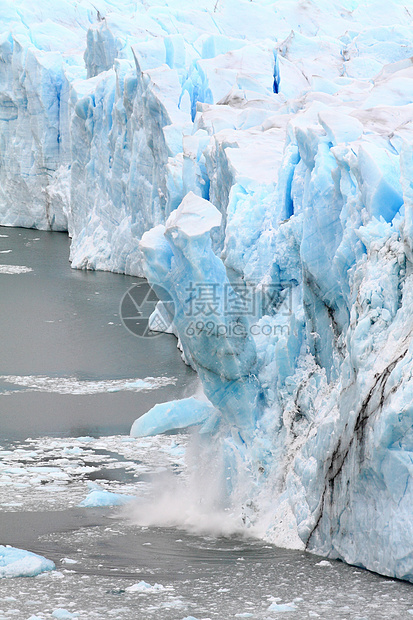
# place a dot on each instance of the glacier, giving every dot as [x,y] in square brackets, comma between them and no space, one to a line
[257,151]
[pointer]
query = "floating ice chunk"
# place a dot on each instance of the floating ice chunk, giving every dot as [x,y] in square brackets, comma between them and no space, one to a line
[14,269]
[101,499]
[63,614]
[324,563]
[20,563]
[145,588]
[176,414]
[74,450]
[282,607]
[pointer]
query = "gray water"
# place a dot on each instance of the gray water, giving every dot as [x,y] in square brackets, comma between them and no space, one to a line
[57,322]
[60,334]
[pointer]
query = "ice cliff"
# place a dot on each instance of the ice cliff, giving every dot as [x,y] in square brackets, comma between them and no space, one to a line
[260,152]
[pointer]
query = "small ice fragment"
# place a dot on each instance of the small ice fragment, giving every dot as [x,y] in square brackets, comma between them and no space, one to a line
[276,608]
[57,574]
[75,450]
[14,269]
[69,561]
[100,499]
[63,614]
[145,588]
[324,563]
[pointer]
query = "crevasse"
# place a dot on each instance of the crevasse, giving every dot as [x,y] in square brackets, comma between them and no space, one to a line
[254,146]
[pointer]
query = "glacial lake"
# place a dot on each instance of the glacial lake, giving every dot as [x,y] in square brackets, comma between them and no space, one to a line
[72,381]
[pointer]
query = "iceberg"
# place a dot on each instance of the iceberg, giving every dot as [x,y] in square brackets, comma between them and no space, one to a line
[255,160]
[20,563]
[100,498]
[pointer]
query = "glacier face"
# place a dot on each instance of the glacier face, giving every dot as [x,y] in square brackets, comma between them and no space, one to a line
[250,146]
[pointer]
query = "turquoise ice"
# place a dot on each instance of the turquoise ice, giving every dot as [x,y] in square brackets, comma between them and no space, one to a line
[20,563]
